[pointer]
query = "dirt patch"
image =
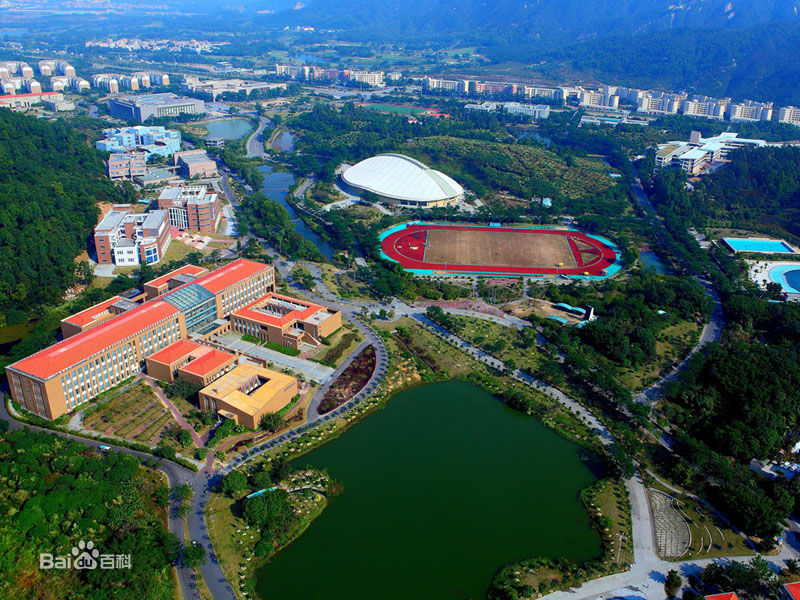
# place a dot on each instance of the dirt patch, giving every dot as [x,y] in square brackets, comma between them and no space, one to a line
[350,382]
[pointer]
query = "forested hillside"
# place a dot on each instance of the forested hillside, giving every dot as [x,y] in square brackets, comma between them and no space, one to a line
[55,493]
[50,182]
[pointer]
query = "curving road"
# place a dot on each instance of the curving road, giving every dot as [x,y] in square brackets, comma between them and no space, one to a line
[255,143]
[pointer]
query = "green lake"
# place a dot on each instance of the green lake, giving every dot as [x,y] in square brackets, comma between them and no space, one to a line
[441,488]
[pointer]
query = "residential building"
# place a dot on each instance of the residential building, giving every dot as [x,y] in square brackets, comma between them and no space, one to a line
[126,238]
[371,78]
[195,163]
[750,111]
[127,164]
[153,140]
[789,114]
[191,362]
[59,83]
[106,81]
[12,85]
[444,85]
[248,393]
[659,104]
[191,207]
[530,91]
[594,99]
[66,375]
[165,104]
[705,106]
[129,82]
[535,111]
[286,321]
[79,85]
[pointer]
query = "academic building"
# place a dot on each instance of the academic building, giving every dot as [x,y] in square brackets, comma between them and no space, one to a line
[112,341]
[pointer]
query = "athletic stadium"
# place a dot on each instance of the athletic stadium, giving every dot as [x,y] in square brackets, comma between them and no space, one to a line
[400,180]
[500,251]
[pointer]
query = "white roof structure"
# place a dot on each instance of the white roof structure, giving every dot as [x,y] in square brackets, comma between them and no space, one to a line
[399,177]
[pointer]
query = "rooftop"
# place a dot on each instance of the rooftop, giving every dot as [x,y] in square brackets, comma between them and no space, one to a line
[793,589]
[208,362]
[184,270]
[277,310]
[230,274]
[725,596]
[263,384]
[175,351]
[94,314]
[67,353]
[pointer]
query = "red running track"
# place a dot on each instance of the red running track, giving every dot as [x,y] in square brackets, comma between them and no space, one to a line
[407,247]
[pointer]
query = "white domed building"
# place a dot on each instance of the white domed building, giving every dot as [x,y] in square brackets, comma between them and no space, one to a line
[402,181]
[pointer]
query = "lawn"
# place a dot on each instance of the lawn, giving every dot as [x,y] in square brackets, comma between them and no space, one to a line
[672,345]
[341,345]
[500,341]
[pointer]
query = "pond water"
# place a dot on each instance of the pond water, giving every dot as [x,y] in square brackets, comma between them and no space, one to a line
[276,186]
[228,129]
[441,488]
[283,142]
[527,133]
[793,279]
[650,260]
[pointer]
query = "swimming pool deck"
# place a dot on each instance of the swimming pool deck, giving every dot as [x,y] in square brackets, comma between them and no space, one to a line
[758,245]
[762,272]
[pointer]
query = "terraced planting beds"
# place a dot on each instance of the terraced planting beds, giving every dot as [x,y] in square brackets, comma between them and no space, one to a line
[133,413]
[351,381]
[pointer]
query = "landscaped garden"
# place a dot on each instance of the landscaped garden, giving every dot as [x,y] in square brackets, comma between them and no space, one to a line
[350,382]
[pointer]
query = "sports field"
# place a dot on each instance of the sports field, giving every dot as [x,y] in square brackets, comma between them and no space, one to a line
[439,248]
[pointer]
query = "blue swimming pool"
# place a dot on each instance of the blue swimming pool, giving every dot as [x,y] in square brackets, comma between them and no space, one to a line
[758,245]
[788,276]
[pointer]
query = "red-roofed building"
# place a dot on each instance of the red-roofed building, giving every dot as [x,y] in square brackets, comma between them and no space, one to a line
[161,285]
[191,361]
[58,379]
[725,596]
[790,591]
[86,319]
[286,321]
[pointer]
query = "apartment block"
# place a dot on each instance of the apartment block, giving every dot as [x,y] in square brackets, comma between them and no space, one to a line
[705,106]
[127,165]
[126,238]
[659,104]
[592,99]
[68,374]
[152,140]
[286,321]
[789,114]
[191,207]
[750,111]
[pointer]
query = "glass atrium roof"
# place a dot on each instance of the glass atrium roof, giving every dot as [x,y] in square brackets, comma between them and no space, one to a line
[188,297]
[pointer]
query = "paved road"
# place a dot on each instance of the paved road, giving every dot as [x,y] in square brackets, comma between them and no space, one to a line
[255,143]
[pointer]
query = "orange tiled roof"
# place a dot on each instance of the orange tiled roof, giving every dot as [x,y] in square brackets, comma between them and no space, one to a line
[232,273]
[69,352]
[85,317]
[184,270]
[725,596]
[175,351]
[248,311]
[207,362]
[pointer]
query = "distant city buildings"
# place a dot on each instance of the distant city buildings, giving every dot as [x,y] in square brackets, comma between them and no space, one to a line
[153,140]
[129,164]
[126,238]
[191,207]
[165,104]
[195,163]
[699,153]
[164,45]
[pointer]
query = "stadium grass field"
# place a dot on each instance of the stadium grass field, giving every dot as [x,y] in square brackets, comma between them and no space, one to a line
[463,249]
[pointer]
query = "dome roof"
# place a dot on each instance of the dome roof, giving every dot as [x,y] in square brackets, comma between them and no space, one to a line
[400,177]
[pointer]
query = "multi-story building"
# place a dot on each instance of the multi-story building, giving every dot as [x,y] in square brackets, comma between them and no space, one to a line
[750,111]
[215,87]
[173,279]
[127,164]
[126,238]
[190,361]
[535,111]
[79,84]
[195,163]
[696,155]
[532,91]
[659,104]
[191,207]
[371,78]
[153,140]
[432,84]
[68,374]
[28,100]
[106,81]
[789,114]
[12,85]
[59,83]
[165,104]
[705,106]
[286,321]
[594,99]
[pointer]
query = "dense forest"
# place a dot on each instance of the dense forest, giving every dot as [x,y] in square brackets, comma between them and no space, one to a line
[57,492]
[51,180]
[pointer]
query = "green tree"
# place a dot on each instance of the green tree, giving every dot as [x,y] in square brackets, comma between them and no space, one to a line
[193,555]
[233,483]
[271,421]
[672,584]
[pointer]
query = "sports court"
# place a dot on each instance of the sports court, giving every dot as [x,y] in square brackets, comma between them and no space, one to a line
[512,251]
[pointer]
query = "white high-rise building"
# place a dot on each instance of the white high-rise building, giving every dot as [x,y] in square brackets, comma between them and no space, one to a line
[789,114]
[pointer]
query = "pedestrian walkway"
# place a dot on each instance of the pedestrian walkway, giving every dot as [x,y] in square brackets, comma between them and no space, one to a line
[176,414]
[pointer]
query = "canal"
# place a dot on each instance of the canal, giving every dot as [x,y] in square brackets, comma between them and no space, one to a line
[441,488]
[276,186]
